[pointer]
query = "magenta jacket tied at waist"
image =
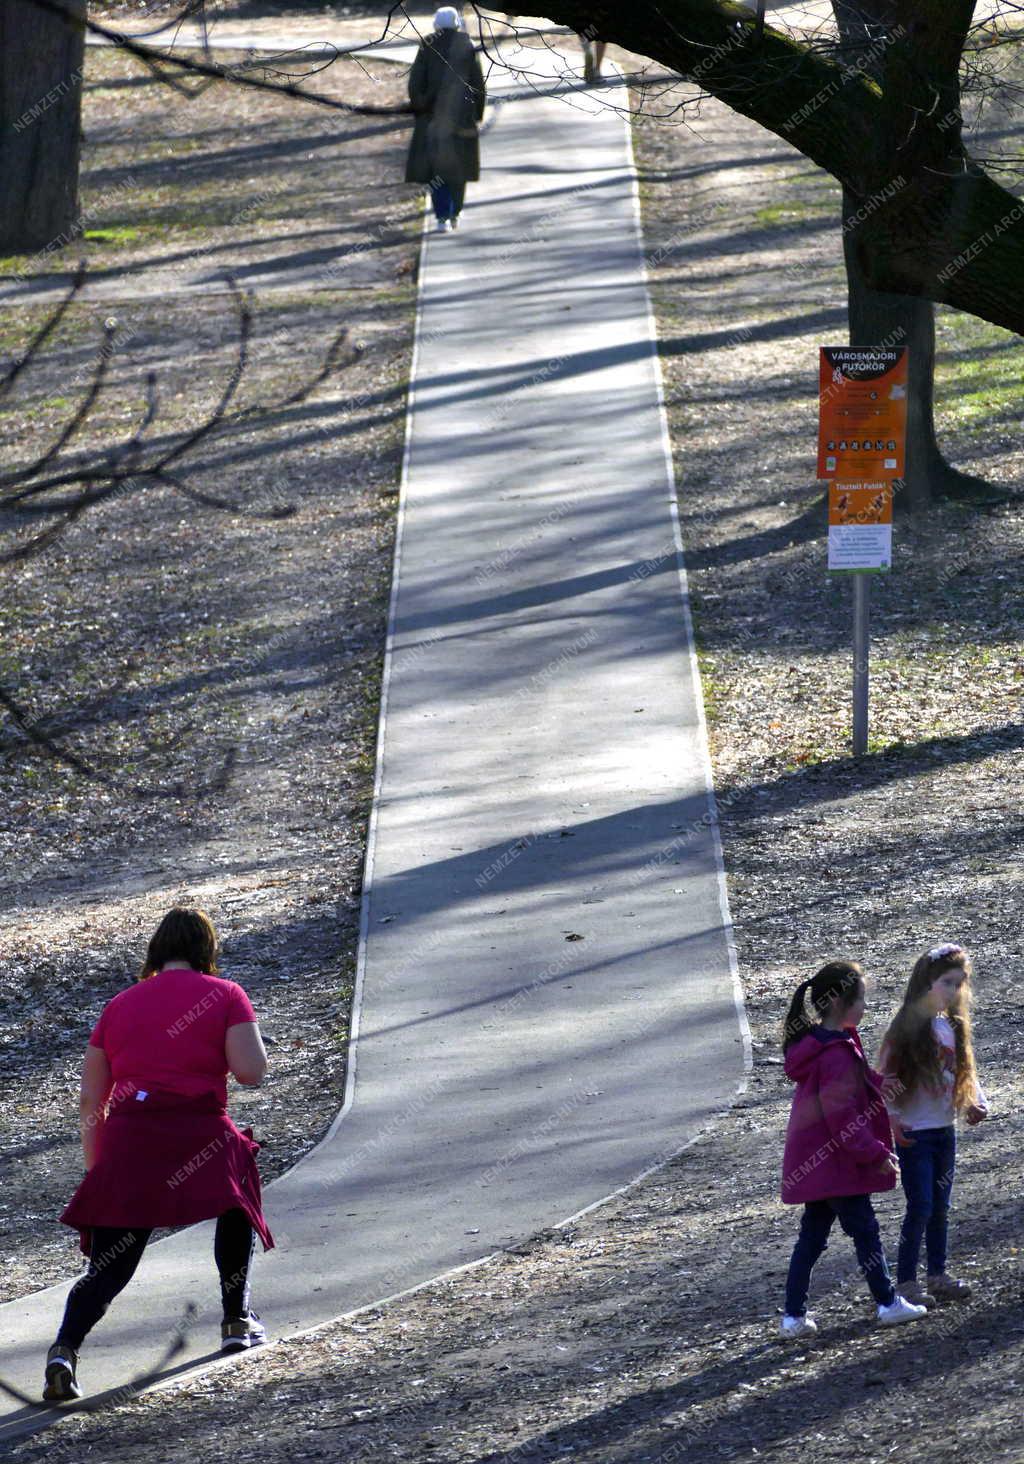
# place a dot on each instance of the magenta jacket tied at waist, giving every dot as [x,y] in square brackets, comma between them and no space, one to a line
[168,1159]
[839,1139]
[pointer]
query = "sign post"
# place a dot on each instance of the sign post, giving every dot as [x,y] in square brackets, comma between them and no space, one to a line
[861,650]
[862,432]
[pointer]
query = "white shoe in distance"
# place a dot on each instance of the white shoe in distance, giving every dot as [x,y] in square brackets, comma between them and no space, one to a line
[900,1310]
[803,1326]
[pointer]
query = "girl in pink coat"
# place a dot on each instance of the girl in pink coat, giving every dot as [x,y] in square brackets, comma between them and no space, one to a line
[838,1144]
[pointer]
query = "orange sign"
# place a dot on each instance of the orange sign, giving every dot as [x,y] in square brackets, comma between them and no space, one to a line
[859,503]
[862,413]
[860,526]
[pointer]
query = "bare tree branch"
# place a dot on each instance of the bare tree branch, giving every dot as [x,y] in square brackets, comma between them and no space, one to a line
[169,62]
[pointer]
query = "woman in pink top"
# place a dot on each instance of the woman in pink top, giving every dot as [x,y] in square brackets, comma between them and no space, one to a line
[159,1147]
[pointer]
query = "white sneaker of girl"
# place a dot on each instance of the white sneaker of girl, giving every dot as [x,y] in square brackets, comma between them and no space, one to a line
[798,1326]
[900,1310]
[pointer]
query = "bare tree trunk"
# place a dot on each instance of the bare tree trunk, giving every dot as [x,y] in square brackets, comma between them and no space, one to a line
[906,320]
[41,58]
[878,317]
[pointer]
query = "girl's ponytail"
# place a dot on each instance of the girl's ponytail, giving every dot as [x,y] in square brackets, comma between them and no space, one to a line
[797,1023]
[841,981]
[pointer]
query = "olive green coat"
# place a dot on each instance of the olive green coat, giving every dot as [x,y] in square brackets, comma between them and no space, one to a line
[446,89]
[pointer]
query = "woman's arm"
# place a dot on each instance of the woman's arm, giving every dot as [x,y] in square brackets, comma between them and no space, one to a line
[245,1054]
[479,88]
[419,82]
[97,1082]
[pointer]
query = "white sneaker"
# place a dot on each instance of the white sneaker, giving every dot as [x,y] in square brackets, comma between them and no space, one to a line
[443,226]
[901,1310]
[798,1326]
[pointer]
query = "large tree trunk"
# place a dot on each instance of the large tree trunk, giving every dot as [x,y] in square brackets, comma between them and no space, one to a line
[878,317]
[41,59]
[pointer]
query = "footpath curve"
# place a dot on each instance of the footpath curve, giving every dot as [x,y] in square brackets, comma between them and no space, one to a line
[547,1002]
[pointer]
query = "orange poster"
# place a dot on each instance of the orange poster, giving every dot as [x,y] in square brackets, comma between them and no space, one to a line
[862,413]
[860,526]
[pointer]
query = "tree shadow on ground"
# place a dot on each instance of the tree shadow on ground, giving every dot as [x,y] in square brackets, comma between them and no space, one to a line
[766,1419]
[827,780]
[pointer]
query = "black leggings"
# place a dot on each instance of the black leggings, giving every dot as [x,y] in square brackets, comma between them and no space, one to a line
[114,1255]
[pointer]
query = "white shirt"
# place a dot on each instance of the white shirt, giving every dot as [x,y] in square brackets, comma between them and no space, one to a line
[926,1107]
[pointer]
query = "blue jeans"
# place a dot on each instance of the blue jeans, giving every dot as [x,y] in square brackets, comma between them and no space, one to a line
[926,1169]
[857,1218]
[447,199]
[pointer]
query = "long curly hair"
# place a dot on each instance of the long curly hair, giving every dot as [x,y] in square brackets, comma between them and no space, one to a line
[913,1056]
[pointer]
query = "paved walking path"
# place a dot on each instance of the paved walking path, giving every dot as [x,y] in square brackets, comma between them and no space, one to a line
[547,1005]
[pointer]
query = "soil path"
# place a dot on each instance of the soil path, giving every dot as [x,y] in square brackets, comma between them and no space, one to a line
[548,998]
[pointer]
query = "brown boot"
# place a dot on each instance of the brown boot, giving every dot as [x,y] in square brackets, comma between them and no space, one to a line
[948,1288]
[61,1384]
[915,1292]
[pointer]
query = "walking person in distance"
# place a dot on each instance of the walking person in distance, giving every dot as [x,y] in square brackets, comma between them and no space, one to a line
[159,1147]
[446,89]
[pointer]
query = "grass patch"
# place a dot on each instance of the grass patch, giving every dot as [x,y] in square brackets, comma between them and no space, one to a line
[123,235]
[977,373]
[779,215]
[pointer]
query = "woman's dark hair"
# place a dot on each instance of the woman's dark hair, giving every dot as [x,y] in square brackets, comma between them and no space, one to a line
[841,981]
[182,935]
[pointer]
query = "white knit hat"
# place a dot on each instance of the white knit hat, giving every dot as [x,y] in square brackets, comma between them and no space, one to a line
[447,18]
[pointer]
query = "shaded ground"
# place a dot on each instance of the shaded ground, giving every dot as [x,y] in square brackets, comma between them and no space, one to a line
[646,1331]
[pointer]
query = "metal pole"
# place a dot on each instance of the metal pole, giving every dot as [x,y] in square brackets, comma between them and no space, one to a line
[861,642]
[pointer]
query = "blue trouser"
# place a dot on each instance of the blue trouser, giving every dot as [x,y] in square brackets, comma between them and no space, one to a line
[448,199]
[926,1169]
[857,1218]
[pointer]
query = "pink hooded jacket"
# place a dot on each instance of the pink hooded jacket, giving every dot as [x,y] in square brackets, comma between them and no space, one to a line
[838,1140]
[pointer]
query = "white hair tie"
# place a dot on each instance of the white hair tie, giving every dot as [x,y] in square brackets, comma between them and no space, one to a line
[937,952]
